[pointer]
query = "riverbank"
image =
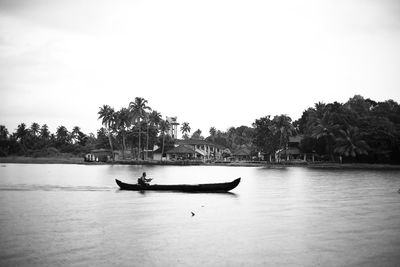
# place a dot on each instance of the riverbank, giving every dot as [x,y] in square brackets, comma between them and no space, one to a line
[314,165]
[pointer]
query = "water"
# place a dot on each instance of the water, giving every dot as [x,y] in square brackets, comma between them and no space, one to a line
[74,215]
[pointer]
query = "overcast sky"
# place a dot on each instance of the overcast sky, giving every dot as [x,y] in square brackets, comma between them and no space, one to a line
[210,63]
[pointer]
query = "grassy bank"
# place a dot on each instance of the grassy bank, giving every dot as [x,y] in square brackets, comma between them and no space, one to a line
[42,160]
[313,165]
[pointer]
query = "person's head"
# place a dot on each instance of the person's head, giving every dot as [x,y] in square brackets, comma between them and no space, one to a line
[144,174]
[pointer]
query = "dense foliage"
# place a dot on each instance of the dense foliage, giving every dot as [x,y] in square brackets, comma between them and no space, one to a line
[37,141]
[360,130]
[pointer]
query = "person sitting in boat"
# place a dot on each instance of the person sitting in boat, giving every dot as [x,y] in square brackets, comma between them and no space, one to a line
[143,180]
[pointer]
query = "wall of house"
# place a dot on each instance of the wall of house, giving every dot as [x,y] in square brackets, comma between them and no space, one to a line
[157,156]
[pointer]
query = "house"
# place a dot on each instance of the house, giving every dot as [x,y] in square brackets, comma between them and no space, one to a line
[293,151]
[157,153]
[101,155]
[242,154]
[191,149]
[204,150]
[182,153]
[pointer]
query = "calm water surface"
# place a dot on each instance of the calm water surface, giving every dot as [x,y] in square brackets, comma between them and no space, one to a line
[74,215]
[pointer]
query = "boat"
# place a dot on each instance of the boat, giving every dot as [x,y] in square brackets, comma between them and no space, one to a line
[197,188]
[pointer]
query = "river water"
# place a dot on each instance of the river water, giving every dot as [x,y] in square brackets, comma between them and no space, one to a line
[74,215]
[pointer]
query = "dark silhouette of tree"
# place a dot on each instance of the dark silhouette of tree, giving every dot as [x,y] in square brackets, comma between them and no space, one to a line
[138,110]
[350,143]
[122,123]
[197,135]
[35,128]
[3,132]
[107,115]
[164,128]
[44,132]
[185,129]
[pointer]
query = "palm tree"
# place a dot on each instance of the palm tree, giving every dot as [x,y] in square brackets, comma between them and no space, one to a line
[21,134]
[62,135]
[35,129]
[147,121]
[107,115]
[154,119]
[164,127]
[350,143]
[44,132]
[324,128]
[138,109]
[185,129]
[75,133]
[122,122]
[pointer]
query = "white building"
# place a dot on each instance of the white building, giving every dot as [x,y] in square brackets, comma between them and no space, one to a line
[173,130]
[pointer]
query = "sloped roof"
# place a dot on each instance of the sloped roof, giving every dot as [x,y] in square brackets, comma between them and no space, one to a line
[181,150]
[296,139]
[196,142]
[289,151]
[158,150]
[102,150]
[192,142]
[242,152]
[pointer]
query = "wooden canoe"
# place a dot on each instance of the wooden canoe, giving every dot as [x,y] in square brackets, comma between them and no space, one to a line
[210,188]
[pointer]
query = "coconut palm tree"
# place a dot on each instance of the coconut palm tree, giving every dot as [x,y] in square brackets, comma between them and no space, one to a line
[35,127]
[122,123]
[153,120]
[164,127]
[21,134]
[138,109]
[147,121]
[75,133]
[350,143]
[185,129]
[62,135]
[324,128]
[107,115]
[44,132]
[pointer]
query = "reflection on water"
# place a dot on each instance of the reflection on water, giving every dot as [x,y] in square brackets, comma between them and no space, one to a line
[62,215]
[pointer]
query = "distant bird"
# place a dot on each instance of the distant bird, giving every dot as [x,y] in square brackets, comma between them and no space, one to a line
[192,213]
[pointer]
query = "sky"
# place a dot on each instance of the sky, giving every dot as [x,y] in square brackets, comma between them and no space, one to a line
[211,63]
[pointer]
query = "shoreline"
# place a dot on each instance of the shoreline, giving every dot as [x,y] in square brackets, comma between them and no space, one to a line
[312,165]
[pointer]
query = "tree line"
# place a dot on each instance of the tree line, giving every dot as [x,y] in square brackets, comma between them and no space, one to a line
[38,141]
[360,130]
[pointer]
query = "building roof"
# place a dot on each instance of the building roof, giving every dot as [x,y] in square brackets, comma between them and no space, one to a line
[181,150]
[296,139]
[102,150]
[289,151]
[196,142]
[242,152]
